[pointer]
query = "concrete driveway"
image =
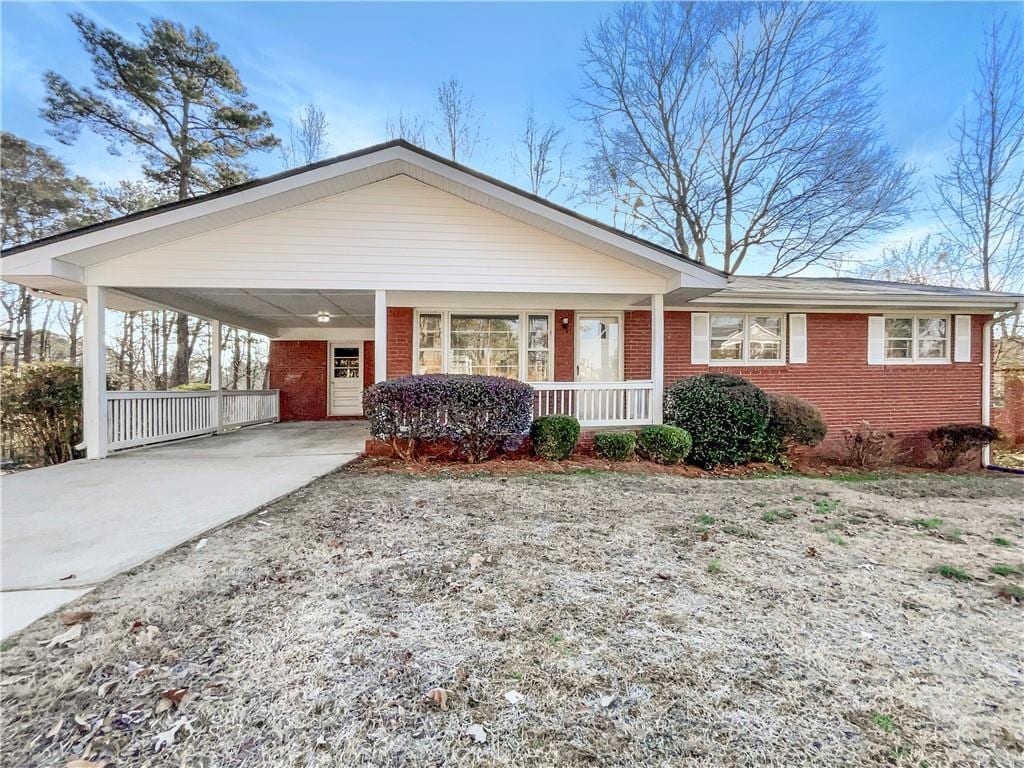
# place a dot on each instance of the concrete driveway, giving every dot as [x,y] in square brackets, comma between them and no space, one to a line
[68,527]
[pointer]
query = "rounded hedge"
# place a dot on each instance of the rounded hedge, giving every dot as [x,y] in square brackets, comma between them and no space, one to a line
[952,442]
[664,444]
[793,422]
[615,446]
[726,415]
[554,437]
[480,415]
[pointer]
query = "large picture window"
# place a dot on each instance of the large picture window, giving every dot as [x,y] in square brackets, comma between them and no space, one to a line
[916,339]
[516,345]
[746,338]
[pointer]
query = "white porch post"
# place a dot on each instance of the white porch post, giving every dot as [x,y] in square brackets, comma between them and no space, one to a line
[658,356]
[94,373]
[218,399]
[380,336]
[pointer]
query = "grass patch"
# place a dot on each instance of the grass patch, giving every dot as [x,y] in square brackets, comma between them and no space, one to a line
[928,523]
[883,722]
[836,539]
[952,572]
[835,525]
[735,530]
[1000,541]
[715,567]
[705,519]
[953,534]
[856,477]
[826,506]
[1004,569]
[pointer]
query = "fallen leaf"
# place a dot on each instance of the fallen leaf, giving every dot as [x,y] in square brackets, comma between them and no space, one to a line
[106,688]
[263,522]
[71,618]
[174,695]
[663,576]
[54,732]
[85,764]
[477,732]
[64,637]
[439,697]
[200,544]
[475,561]
[166,738]
[514,697]
[811,552]
[607,699]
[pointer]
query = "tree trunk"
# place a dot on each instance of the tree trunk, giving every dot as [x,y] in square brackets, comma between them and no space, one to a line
[26,328]
[180,373]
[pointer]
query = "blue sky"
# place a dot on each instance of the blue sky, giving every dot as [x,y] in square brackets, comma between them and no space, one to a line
[361,62]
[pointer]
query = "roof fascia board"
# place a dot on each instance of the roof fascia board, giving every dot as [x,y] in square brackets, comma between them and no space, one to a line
[1007,302]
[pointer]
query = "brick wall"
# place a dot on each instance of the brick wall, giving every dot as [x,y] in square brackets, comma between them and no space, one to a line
[565,349]
[636,338]
[368,364]
[399,341]
[1009,419]
[907,399]
[299,370]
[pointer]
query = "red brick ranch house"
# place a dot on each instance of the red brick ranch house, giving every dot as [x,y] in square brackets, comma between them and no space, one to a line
[393,261]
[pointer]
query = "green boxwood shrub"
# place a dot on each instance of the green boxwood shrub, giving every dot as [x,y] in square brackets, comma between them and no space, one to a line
[664,444]
[793,422]
[726,415]
[615,446]
[554,437]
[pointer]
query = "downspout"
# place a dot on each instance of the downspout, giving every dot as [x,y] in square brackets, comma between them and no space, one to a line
[986,375]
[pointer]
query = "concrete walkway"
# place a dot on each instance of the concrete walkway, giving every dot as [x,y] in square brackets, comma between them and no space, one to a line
[69,527]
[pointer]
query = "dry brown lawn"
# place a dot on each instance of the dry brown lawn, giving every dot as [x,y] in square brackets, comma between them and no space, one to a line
[587,619]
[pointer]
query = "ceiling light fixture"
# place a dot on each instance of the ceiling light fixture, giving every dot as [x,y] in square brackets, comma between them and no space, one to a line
[323,317]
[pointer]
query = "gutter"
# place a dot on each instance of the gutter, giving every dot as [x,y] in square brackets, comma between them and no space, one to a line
[986,375]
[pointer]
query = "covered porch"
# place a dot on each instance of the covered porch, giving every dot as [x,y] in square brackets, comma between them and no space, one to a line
[598,357]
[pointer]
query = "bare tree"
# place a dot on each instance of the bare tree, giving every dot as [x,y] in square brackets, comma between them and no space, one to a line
[408,127]
[308,141]
[981,198]
[539,153]
[932,260]
[731,130]
[458,123]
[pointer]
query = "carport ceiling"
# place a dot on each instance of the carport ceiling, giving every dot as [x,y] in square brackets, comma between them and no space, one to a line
[290,308]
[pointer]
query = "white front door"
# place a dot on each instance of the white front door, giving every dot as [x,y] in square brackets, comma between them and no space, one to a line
[598,348]
[346,379]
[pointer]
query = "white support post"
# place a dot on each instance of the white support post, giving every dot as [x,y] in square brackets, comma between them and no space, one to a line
[380,336]
[215,378]
[94,373]
[658,357]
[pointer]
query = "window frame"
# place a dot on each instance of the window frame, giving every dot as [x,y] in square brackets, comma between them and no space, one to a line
[524,316]
[915,358]
[745,359]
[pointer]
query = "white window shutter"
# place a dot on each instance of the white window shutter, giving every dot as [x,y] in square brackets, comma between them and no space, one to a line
[962,348]
[700,338]
[798,338]
[876,340]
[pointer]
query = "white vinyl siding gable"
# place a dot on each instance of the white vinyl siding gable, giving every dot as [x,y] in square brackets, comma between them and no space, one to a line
[398,234]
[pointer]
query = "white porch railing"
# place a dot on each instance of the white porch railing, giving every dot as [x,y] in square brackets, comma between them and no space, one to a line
[596,404]
[144,418]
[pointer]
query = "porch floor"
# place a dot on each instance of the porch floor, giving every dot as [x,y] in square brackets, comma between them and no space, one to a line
[95,519]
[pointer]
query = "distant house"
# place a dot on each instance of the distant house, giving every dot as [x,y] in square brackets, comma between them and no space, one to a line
[393,261]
